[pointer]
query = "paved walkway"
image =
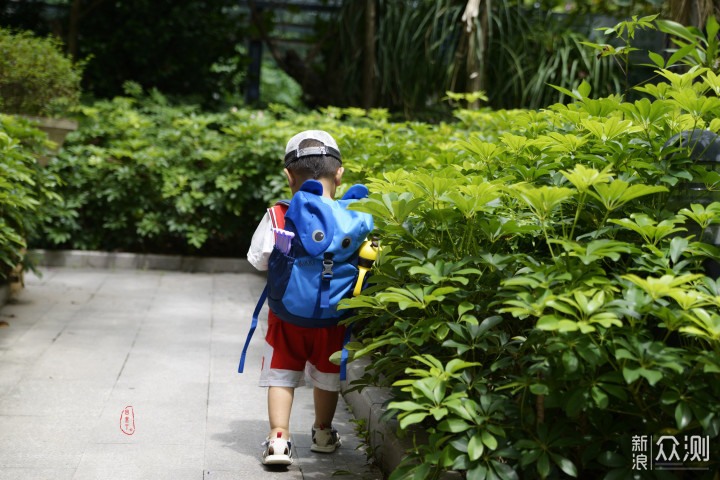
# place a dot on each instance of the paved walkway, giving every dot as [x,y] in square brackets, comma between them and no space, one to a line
[84,344]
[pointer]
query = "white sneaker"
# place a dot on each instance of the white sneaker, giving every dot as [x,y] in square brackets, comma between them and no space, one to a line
[324,440]
[277,451]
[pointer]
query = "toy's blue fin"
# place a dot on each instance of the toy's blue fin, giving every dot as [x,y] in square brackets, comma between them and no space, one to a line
[312,186]
[356,192]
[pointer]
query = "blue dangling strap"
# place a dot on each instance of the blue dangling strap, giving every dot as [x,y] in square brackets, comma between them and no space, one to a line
[344,354]
[325,294]
[254,323]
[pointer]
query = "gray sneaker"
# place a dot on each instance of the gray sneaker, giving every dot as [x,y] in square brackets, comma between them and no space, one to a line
[325,440]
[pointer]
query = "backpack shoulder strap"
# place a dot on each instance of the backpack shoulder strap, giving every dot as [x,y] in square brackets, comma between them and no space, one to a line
[253,325]
[277,217]
[277,213]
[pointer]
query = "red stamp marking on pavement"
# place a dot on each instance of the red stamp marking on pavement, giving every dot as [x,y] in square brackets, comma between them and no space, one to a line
[127,420]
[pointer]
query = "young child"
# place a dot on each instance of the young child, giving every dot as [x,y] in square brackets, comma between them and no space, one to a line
[290,350]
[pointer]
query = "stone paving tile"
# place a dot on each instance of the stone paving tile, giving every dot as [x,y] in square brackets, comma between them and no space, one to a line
[50,397]
[12,473]
[47,442]
[154,424]
[84,344]
[113,461]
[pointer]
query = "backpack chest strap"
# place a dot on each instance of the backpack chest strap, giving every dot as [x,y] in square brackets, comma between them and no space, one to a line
[327,274]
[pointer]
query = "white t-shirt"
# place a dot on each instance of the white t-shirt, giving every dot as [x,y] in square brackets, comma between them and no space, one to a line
[262,244]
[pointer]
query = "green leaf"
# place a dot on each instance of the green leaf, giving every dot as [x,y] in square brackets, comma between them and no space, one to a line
[465,307]
[584,89]
[657,59]
[576,402]
[453,425]
[681,53]
[543,200]
[456,365]
[504,471]
[619,192]
[611,459]
[683,415]
[570,361]
[438,413]
[407,406]
[565,465]
[674,28]
[489,440]
[543,465]
[539,389]
[669,397]
[477,472]
[600,397]
[631,374]
[475,447]
[677,247]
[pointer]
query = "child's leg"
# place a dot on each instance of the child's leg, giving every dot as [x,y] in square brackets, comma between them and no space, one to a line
[280,401]
[325,405]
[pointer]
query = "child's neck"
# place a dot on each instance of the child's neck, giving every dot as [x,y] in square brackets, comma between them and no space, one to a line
[328,187]
[328,184]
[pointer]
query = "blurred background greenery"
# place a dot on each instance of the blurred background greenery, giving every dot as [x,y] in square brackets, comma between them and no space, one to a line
[401,54]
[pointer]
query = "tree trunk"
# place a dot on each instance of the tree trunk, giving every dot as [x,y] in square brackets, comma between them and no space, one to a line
[474,65]
[369,58]
[691,12]
[73,29]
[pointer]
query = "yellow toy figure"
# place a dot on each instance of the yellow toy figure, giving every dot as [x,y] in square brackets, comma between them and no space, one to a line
[368,253]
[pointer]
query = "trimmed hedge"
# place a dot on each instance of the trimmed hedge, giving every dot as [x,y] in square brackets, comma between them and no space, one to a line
[141,175]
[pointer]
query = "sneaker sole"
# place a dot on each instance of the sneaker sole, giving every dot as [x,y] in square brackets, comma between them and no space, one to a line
[327,449]
[277,460]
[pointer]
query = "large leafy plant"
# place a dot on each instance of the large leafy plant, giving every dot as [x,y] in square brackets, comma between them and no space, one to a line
[541,298]
[25,189]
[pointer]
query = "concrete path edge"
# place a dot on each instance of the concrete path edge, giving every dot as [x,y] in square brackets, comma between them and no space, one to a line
[4,293]
[97,259]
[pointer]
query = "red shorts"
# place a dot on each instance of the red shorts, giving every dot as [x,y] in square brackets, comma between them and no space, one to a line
[291,350]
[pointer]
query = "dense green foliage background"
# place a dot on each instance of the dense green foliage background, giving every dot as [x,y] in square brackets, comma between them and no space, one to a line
[142,175]
[196,49]
[541,296]
[170,45]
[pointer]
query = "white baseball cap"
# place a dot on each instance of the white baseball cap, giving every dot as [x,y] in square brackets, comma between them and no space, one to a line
[294,152]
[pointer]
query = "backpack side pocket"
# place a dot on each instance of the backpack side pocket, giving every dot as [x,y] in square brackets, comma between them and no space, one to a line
[280,268]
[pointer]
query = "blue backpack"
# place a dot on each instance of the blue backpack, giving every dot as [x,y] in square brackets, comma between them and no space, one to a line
[305,286]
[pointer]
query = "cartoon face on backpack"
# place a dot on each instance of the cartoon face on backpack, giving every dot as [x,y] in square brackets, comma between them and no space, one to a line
[305,286]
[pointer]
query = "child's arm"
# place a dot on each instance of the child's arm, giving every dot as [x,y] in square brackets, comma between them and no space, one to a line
[262,244]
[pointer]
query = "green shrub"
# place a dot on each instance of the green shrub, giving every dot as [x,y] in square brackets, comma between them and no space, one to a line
[36,78]
[141,175]
[25,188]
[540,298]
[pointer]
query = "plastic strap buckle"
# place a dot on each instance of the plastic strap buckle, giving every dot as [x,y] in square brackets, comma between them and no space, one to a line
[327,272]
